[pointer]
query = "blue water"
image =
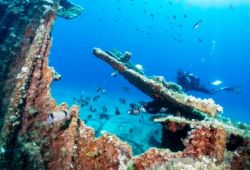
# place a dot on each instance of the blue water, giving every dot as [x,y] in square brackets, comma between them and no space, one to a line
[152,31]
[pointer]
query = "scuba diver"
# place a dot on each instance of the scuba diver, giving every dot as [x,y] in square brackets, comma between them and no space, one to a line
[189,81]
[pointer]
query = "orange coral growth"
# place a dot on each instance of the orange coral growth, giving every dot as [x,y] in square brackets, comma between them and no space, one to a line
[153,158]
[106,152]
[206,141]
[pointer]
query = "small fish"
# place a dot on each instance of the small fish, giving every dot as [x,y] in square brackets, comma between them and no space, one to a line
[200,40]
[101,90]
[95,98]
[104,116]
[185,15]
[216,83]
[134,106]
[197,24]
[117,111]
[142,109]
[92,109]
[80,101]
[122,100]
[134,111]
[84,102]
[130,130]
[98,89]
[140,120]
[104,109]
[174,17]
[125,89]
[114,73]
[139,67]
[75,100]
[163,110]
[89,116]
[56,116]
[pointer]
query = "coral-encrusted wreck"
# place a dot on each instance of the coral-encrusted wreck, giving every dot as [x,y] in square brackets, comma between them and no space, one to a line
[31,140]
[196,130]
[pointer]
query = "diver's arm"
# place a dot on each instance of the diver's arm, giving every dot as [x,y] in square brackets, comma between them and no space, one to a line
[205,90]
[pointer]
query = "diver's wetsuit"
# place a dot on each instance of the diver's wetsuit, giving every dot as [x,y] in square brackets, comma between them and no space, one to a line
[189,81]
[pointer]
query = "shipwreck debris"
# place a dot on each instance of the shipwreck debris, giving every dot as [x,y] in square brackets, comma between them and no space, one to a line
[159,89]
